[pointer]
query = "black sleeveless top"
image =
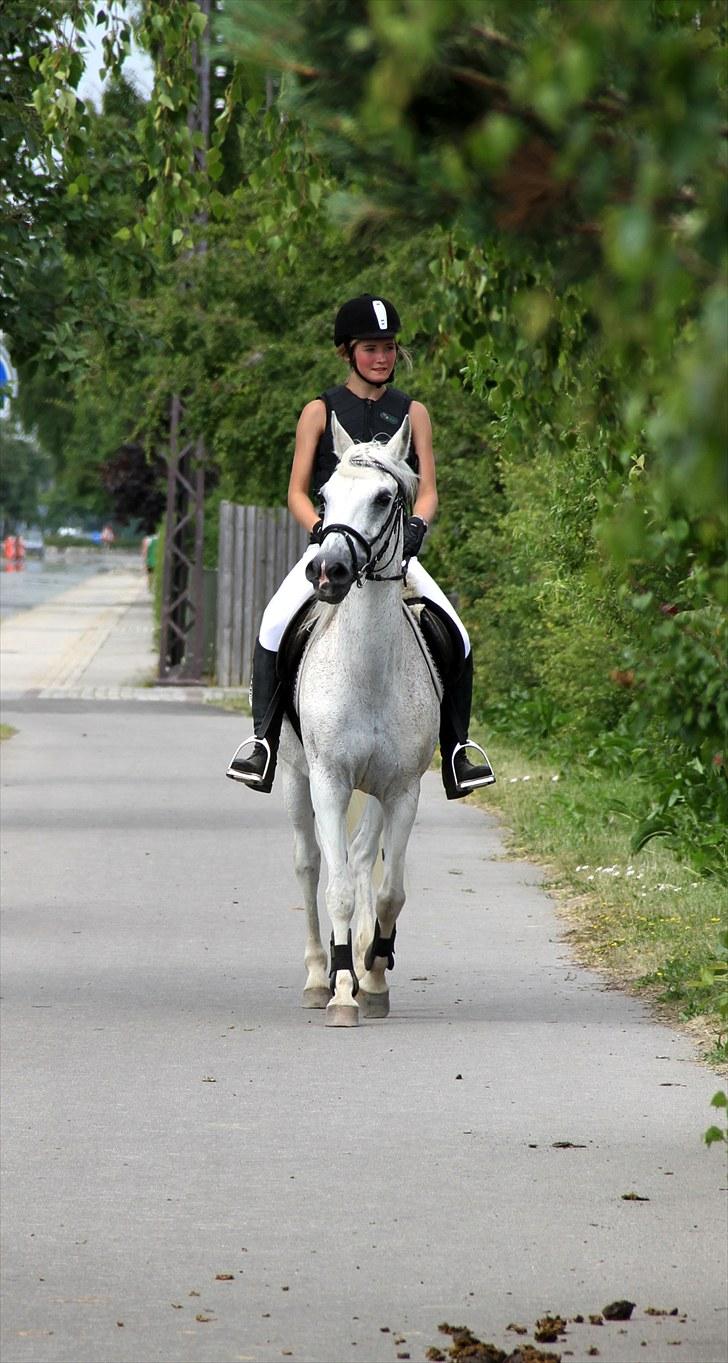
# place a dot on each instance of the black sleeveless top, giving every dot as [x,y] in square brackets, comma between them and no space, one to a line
[364,420]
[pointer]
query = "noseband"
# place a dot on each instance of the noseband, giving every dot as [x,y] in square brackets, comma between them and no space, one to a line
[373,553]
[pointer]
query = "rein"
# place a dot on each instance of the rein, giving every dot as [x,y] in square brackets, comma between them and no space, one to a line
[373,555]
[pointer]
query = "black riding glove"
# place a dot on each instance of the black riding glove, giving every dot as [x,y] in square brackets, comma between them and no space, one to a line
[414,533]
[315,533]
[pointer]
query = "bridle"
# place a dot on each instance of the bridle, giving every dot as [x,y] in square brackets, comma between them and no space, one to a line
[373,549]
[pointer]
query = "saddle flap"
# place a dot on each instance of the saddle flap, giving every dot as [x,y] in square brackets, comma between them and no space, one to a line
[290,656]
[441,636]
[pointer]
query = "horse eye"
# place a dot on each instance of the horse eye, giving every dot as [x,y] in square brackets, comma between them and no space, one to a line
[383,498]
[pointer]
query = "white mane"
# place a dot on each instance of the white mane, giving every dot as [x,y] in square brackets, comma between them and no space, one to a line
[354,463]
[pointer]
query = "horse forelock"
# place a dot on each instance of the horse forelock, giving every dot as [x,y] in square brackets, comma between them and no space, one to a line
[363,459]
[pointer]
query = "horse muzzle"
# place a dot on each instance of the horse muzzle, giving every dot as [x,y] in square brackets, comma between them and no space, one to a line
[330,576]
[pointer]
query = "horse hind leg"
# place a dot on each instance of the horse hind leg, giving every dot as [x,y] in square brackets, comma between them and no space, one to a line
[307,863]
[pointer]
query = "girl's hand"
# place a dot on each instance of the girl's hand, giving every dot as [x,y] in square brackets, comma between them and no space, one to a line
[414,532]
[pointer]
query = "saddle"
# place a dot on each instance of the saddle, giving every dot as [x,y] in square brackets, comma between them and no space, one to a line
[438,637]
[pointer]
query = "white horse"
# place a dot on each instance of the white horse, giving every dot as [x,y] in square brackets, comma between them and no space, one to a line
[369,707]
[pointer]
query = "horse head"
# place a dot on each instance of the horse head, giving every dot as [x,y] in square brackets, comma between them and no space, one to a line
[365,501]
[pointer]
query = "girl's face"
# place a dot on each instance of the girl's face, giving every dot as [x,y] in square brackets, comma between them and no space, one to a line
[375,359]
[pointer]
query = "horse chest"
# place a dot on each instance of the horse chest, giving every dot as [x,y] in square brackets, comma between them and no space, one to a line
[368,708]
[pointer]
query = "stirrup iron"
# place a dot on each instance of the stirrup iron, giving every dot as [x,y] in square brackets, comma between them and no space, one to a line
[473,784]
[253,778]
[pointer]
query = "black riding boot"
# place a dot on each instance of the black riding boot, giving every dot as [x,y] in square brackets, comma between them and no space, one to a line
[459,774]
[258,768]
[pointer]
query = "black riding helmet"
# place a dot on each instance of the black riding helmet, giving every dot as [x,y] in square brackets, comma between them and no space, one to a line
[366,318]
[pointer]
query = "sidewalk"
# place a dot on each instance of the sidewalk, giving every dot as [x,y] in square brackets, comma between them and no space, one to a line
[92,642]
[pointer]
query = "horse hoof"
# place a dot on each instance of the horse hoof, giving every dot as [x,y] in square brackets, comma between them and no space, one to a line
[374,1005]
[316,998]
[342,1015]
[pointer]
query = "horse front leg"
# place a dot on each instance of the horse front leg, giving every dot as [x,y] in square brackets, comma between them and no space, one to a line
[330,801]
[399,817]
[307,864]
[366,868]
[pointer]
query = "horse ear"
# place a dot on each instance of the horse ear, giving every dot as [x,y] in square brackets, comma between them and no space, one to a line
[342,439]
[398,446]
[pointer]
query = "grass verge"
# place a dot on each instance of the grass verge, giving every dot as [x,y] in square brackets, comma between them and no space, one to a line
[644,919]
[6,731]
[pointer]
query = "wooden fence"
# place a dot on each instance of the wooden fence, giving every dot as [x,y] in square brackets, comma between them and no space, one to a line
[258,545]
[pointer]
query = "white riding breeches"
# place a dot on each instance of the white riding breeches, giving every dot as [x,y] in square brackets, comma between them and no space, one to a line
[295,589]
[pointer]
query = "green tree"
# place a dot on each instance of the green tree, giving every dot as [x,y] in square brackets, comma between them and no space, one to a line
[578,153]
[24,471]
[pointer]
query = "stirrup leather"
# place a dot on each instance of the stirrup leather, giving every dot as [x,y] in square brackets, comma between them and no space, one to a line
[252,778]
[473,783]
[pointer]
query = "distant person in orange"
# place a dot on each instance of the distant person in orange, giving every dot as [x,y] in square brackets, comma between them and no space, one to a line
[107,536]
[13,547]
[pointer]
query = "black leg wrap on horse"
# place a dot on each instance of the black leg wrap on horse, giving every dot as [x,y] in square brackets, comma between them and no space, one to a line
[342,958]
[380,946]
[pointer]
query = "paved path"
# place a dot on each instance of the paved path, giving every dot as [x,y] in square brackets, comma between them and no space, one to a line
[172,1116]
[94,641]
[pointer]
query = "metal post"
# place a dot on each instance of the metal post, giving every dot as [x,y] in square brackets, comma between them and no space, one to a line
[181,648]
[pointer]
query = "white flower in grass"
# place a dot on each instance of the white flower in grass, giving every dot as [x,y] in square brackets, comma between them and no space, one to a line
[556,777]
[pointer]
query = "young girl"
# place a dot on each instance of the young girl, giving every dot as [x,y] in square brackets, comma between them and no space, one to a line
[365,335]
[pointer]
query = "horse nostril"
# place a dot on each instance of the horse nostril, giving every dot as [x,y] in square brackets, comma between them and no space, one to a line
[338,572]
[313,569]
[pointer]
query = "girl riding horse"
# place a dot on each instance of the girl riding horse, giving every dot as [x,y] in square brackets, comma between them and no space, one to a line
[368,408]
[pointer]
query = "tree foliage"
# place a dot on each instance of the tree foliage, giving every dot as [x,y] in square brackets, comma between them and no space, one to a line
[542,187]
[577,155]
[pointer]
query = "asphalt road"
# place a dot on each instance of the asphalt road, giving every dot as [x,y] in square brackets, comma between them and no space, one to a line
[197,1171]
